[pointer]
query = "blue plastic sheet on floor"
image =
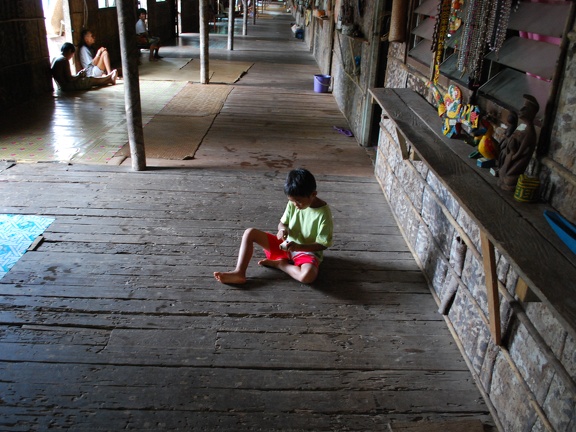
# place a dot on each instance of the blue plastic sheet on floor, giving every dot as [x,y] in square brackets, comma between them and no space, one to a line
[17,233]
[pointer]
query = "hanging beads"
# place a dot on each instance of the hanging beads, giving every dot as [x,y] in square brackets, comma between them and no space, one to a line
[497,34]
[440,33]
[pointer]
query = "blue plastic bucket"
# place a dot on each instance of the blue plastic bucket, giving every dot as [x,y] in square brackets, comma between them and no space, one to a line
[321,83]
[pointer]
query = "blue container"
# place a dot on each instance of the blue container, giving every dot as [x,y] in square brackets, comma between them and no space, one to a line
[564,229]
[322,83]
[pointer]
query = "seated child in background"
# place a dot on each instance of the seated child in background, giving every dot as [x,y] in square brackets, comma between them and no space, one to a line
[304,231]
[144,37]
[95,63]
[67,82]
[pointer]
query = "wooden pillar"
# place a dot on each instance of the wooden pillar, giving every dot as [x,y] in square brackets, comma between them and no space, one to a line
[254,11]
[129,52]
[66,13]
[398,21]
[245,17]
[491,277]
[374,53]
[524,293]
[231,25]
[204,43]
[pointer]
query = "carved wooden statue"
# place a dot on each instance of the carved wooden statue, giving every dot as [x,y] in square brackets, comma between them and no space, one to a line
[516,150]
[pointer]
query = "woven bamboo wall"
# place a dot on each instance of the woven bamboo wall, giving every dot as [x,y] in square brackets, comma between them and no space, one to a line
[24,62]
[102,22]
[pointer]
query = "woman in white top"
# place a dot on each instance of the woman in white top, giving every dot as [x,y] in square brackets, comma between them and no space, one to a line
[95,63]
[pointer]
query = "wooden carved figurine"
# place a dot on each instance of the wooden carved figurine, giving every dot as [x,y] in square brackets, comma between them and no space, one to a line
[516,150]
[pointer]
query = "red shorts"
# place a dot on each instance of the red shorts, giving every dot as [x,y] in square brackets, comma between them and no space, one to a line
[298,258]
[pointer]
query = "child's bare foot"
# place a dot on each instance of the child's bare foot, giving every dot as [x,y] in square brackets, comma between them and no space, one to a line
[232,277]
[270,263]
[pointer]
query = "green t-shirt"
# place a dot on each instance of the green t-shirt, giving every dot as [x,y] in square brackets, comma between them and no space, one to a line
[311,225]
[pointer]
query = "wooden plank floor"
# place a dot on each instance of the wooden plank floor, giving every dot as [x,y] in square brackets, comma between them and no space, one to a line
[115,322]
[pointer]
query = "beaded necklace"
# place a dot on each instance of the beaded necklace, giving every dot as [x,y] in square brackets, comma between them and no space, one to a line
[486,22]
[499,20]
[471,51]
[465,41]
[440,32]
[476,58]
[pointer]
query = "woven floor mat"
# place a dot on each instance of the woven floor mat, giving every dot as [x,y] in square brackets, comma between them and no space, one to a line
[172,137]
[167,69]
[197,100]
[177,69]
[221,71]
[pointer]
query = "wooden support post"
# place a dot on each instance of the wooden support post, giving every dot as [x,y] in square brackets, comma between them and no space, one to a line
[231,25]
[245,17]
[204,43]
[491,287]
[68,35]
[524,293]
[371,74]
[404,147]
[129,53]
[254,11]
[398,21]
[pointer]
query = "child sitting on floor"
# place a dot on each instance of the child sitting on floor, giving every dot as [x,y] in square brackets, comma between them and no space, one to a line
[62,73]
[304,231]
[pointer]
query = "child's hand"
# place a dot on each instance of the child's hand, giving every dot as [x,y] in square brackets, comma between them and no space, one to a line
[282,234]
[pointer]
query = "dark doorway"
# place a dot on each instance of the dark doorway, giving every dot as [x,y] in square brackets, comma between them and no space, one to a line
[189,16]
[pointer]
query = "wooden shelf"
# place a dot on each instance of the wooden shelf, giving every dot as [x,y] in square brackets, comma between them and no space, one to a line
[425,29]
[509,83]
[517,230]
[541,18]
[538,58]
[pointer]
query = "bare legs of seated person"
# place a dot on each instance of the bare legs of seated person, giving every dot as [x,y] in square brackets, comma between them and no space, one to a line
[154,56]
[306,273]
[104,63]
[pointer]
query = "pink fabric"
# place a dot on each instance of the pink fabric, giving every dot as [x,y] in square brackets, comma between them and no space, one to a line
[275,253]
[298,258]
[535,36]
[542,38]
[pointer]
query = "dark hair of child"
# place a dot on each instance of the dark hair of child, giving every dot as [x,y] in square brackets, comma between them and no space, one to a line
[67,46]
[300,183]
[83,34]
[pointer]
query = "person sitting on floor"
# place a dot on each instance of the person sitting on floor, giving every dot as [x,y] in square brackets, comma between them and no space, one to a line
[67,82]
[304,232]
[144,37]
[96,63]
